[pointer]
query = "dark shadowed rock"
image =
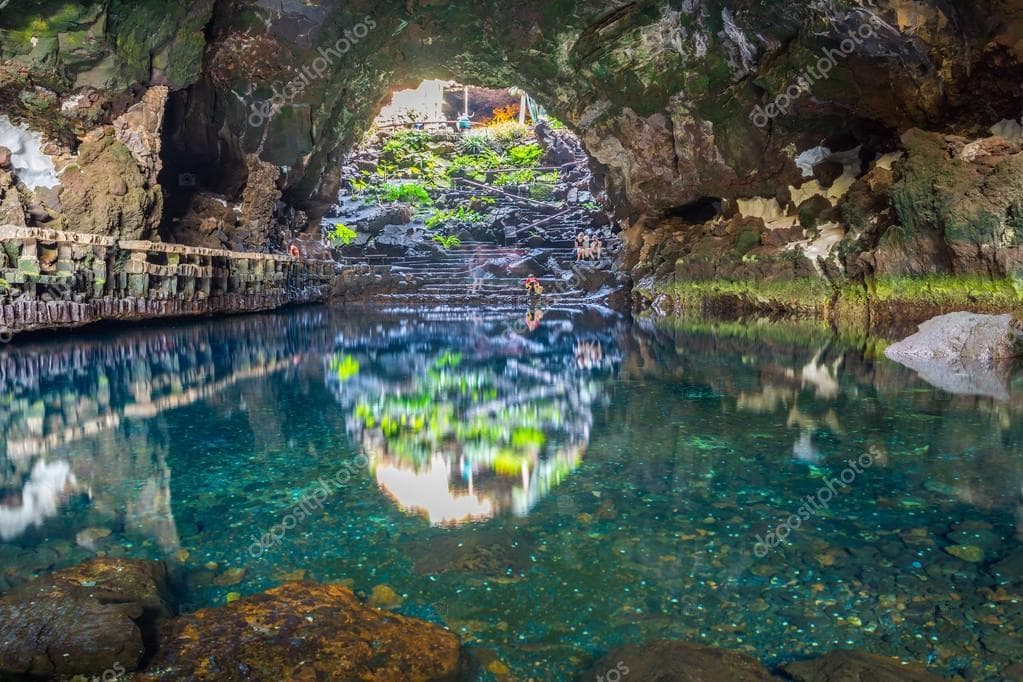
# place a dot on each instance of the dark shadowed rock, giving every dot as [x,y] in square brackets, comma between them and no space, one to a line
[320,631]
[86,619]
[857,666]
[667,661]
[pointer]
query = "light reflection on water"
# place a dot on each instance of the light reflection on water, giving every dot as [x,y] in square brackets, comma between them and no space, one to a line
[545,495]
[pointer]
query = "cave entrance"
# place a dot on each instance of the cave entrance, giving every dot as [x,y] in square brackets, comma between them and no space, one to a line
[461,193]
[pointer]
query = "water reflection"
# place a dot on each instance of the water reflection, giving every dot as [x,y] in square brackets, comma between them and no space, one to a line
[80,419]
[519,479]
[463,420]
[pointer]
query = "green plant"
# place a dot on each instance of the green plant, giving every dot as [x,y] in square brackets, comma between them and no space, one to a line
[473,165]
[475,142]
[463,214]
[447,241]
[522,177]
[508,134]
[407,193]
[555,123]
[525,155]
[406,141]
[341,235]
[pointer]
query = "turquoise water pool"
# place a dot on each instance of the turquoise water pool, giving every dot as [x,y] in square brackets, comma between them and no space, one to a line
[546,495]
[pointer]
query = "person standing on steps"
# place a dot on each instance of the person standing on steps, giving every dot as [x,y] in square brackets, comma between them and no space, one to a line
[580,246]
[533,287]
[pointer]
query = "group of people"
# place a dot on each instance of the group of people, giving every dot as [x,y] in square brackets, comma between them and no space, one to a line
[588,248]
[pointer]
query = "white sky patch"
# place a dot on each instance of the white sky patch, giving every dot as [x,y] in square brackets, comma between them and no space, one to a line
[31,165]
[810,158]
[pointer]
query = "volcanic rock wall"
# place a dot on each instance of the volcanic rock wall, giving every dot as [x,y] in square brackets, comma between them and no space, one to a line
[836,141]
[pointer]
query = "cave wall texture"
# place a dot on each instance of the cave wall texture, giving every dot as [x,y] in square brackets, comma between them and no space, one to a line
[223,122]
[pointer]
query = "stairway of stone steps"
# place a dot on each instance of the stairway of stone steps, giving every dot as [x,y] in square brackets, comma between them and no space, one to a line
[469,275]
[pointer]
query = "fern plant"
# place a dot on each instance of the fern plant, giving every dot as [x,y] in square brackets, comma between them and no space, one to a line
[341,235]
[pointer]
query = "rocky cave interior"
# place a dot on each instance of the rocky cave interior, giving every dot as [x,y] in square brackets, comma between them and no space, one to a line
[856,162]
[909,114]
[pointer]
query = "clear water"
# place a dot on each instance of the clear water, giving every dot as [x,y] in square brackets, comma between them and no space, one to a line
[546,496]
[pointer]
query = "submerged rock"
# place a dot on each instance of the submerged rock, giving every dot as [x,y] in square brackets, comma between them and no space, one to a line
[84,619]
[324,631]
[668,661]
[853,666]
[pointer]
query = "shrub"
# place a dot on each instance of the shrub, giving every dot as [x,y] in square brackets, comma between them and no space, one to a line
[406,141]
[475,142]
[463,214]
[508,134]
[525,155]
[407,193]
[341,235]
[447,241]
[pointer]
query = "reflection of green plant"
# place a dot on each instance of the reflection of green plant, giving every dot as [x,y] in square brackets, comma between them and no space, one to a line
[341,235]
[448,359]
[447,241]
[344,367]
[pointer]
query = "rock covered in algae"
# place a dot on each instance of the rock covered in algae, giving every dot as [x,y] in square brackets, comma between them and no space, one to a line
[303,630]
[851,666]
[88,618]
[670,661]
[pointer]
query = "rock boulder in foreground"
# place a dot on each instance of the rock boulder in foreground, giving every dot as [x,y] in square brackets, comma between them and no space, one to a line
[86,619]
[962,337]
[670,661]
[854,666]
[303,631]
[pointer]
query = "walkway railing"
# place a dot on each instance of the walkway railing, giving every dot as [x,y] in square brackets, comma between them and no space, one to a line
[50,278]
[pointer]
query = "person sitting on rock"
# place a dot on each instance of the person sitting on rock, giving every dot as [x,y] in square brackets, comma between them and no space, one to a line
[580,246]
[533,286]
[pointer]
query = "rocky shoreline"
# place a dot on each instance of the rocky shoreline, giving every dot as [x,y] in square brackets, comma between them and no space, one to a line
[117,616]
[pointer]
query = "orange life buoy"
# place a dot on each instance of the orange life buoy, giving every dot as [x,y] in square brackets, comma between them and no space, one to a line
[294,252]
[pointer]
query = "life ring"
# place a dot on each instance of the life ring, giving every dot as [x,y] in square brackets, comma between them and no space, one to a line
[294,251]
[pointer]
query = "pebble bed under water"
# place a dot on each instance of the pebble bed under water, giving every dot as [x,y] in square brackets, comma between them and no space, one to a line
[547,496]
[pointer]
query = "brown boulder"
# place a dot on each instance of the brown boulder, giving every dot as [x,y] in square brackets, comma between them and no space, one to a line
[668,661]
[5,158]
[857,666]
[303,630]
[86,619]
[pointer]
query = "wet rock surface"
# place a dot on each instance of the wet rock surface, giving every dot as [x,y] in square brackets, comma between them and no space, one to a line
[303,631]
[857,666]
[86,619]
[669,661]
